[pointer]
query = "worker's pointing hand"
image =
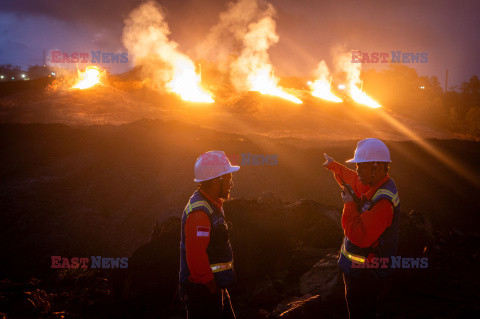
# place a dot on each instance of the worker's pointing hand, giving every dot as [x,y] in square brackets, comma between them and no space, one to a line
[329,159]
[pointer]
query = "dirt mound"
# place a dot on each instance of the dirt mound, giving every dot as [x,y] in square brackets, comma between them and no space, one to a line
[120,101]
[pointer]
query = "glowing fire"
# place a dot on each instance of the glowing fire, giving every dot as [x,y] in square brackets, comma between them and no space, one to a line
[253,70]
[90,77]
[265,83]
[146,36]
[187,83]
[360,97]
[321,87]
[353,71]
[322,90]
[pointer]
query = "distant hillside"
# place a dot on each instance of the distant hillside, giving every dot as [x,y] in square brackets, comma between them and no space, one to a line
[124,101]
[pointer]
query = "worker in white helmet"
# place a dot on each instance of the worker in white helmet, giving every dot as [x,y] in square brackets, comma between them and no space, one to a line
[206,257]
[370,222]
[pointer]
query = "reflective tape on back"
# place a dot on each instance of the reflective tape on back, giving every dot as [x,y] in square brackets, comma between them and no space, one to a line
[354,258]
[221,267]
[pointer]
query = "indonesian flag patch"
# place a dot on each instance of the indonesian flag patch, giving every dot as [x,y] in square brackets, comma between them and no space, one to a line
[203,231]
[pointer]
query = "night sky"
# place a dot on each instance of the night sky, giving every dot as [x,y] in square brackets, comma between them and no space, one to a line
[309,30]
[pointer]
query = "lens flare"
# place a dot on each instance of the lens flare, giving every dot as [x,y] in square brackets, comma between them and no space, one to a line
[443,157]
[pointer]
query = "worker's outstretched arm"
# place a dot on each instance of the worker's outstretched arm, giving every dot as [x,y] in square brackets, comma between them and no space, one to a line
[364,229]
[197,237]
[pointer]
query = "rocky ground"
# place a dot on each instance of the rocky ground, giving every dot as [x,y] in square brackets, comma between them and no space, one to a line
[286,266]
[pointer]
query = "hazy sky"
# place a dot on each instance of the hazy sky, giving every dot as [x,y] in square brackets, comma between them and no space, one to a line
[309,30]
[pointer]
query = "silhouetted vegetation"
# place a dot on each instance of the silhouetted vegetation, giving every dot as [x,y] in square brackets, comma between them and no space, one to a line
[401,89]
[10,72]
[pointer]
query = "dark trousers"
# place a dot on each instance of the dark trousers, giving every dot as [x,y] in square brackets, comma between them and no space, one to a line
[201,304]
[361,294]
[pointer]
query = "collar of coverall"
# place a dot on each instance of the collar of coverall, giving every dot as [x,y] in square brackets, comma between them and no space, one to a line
[374,189]
[218,203]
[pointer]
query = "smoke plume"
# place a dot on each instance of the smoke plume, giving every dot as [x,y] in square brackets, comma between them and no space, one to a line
[226,37]
[254,61]
[352,71]
[146,36]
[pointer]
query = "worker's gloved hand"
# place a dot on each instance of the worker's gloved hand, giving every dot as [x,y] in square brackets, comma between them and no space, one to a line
[329,159]
[212,286]
[346,197]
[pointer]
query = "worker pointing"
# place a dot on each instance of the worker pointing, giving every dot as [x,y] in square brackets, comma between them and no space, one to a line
[370,225]
[206,257]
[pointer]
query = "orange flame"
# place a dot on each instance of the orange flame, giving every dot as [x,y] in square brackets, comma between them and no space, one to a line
[353,71]
[265,83]
[187,83]
[321,87]
[146,36]
[361,97]
[253,70]
[90,77]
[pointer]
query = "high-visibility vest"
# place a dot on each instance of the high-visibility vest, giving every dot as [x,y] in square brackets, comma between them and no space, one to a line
[387,242]
[219,248]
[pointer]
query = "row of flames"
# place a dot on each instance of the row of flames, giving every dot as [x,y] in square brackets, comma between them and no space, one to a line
[147,36]
[187,84]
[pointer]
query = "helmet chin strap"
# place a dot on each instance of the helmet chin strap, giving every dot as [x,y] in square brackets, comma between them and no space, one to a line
[372,178]
[220,194]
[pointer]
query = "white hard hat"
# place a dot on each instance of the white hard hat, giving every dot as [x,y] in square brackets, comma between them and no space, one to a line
[213,164]
[371,150]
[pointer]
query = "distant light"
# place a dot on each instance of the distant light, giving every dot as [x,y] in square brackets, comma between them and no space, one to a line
[13,78]
[23,75]
[422,87]
[1,77]
[53,73]
[341,86]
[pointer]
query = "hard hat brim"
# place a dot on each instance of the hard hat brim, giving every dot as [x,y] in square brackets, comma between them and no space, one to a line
[353,160]
[232,169]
